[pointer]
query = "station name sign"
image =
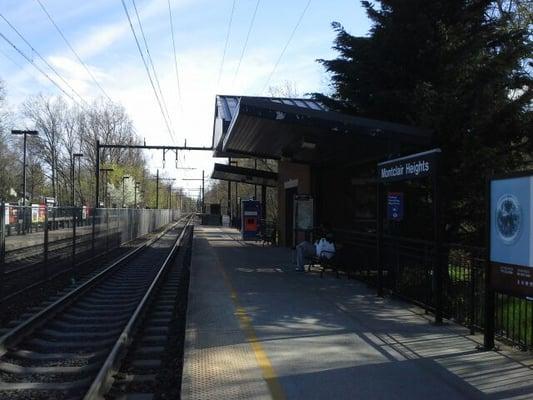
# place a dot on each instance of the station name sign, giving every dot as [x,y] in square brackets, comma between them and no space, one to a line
[413,166]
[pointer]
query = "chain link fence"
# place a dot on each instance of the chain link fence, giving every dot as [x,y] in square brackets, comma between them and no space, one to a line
[38,242]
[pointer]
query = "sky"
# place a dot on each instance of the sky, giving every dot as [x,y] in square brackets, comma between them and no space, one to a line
[100,33]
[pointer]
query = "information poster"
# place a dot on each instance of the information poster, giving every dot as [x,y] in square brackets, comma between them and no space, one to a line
[511,240]
[303,211]
[395,206]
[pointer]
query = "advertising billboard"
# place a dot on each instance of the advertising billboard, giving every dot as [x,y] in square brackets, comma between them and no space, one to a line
[511,240]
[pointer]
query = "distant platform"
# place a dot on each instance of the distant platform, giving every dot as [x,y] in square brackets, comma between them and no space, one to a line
[256,329]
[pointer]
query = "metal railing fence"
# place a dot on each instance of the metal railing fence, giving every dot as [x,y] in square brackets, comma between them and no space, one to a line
[408,273]
[37,242]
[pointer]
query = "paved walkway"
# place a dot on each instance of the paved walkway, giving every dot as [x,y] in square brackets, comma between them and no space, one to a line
[258,330]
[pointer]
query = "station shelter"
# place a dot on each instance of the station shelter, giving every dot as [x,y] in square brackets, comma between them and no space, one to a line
[322,155]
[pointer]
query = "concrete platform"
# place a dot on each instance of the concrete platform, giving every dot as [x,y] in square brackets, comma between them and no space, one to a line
[15,242]
[256,329]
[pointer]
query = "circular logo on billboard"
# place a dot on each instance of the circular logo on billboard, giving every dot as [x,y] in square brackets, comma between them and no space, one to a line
[508,218]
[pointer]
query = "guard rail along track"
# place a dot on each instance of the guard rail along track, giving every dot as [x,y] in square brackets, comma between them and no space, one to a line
[72,348]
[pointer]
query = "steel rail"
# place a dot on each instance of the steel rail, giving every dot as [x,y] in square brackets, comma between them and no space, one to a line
[18,333]
[103,381]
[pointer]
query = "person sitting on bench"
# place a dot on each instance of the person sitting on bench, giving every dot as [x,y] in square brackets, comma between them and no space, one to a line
[322,248]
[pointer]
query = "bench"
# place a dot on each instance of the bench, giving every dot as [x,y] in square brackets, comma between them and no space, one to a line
[340,261]
[267,233]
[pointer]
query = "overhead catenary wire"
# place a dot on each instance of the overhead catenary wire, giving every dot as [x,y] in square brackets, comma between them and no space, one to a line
[43,59]
[226,43]
[175,54]
[72,50]
[151,62]
[11,59]
[246,41]
[146,68]
[28,59]
[286,45]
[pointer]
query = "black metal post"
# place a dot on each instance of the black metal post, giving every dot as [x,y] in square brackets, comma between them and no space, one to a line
[379,238]
[488,337]
[123,191]
[437,265]
[72,181]
[24,183]
[2,245]
[106,197]
[263,202]
[157,190]
[46,241]
[96,195]
[97,174]
[74,275]
[203,193]
[229,201]
[255,186]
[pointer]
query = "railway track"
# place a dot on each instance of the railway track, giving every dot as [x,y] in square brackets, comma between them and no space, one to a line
[72,348]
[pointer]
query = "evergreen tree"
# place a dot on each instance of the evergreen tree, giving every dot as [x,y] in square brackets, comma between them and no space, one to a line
[459,67]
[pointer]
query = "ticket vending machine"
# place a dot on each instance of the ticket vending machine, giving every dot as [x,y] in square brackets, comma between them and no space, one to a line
[250,219]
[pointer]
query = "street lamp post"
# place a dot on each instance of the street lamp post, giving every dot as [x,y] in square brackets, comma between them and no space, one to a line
[123,196]
[24,213]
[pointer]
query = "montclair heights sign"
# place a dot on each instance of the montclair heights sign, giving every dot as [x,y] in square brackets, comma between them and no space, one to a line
[411,167]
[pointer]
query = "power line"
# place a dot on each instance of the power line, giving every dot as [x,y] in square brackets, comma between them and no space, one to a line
[174,49]
[226,43]
[38,68]
[246,40]
[146,68]
[287,44]
[150,60]
[72,49]
[11,59]
[43,59]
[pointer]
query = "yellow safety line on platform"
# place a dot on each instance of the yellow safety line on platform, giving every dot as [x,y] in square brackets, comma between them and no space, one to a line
[269,374]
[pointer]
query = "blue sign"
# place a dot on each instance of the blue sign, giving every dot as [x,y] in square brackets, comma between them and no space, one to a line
[395,206]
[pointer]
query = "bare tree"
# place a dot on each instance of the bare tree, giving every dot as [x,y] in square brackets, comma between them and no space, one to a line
[48,114]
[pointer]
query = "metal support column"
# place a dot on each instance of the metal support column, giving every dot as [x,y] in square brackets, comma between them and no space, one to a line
[255,186]
[379,238]
[203,193]
[157,190]
[437,271]
[46,241]
[2,245]
[229,201]
[74,220]
[490,301]
[96,196]
[263,202]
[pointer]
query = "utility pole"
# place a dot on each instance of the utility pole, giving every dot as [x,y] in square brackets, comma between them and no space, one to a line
[24,213]
[203,193]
